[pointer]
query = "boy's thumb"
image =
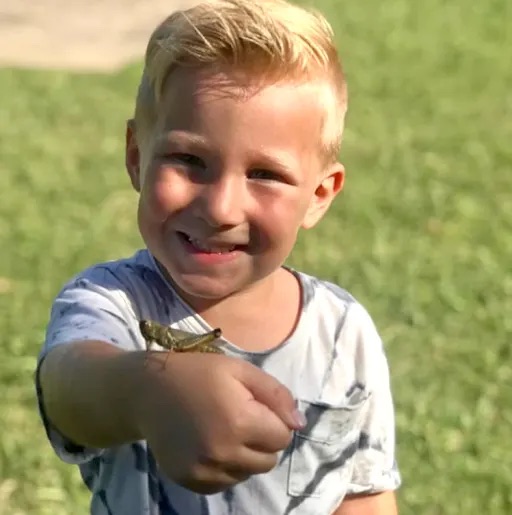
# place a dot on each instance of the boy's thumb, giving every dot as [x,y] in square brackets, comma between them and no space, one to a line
[269,391]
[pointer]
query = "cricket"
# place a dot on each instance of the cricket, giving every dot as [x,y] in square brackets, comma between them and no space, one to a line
[176,340]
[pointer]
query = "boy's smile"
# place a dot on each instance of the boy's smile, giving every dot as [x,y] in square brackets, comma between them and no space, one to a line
[228,177]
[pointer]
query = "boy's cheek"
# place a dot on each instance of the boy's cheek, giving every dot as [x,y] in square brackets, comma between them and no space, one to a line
[162,196]
[154,202]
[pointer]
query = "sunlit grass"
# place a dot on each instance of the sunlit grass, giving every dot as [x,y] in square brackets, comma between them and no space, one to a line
[421,235]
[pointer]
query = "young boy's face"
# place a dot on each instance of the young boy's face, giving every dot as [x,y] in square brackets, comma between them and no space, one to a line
[228,180]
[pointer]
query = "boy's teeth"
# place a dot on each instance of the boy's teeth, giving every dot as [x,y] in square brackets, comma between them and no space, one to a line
[210,248]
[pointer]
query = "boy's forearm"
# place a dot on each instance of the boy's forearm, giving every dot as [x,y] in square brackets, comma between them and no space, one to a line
[88,391]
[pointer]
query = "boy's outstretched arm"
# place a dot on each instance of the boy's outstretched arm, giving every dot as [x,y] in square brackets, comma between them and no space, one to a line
[211,421]
[376,504]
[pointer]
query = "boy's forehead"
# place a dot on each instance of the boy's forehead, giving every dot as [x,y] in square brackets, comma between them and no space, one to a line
[187,89]
[239,82]
[198,85]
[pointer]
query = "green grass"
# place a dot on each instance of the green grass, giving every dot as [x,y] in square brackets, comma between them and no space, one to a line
[422,236]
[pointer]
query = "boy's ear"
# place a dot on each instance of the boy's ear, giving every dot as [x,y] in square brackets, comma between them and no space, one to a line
[325,192]
[132,155]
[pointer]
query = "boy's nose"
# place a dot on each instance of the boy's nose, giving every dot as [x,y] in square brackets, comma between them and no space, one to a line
[222,203]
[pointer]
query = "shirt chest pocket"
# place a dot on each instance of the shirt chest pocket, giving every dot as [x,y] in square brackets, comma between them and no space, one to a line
[321,453]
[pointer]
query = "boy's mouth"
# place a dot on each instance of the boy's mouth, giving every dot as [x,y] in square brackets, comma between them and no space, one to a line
[209,247]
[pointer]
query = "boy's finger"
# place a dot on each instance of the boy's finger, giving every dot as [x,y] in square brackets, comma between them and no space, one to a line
[211,476]
[267,433]
[269,391]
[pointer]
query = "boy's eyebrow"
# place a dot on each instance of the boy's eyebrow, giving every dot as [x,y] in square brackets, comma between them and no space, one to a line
[275,162]
[182,137]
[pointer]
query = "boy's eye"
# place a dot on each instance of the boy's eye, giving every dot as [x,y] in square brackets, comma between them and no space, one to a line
[186,159]
[266,175]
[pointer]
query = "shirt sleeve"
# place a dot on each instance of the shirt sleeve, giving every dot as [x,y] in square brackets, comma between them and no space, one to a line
[375,468]
[88,308]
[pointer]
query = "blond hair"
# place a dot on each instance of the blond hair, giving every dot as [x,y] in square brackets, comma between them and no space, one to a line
[270,38]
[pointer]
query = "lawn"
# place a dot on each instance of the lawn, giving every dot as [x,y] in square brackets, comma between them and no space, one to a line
[421,235]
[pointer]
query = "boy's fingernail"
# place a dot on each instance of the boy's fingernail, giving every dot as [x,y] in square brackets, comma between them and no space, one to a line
[299,419]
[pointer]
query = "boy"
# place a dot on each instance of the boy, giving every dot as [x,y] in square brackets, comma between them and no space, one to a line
[232,149]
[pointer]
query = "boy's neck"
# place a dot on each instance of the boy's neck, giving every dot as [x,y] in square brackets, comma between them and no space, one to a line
[259,318]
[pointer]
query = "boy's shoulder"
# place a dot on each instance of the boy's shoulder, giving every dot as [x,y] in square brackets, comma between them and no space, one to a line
[134,282]
[331,290]
[118,271]
[326,295]
[334,310]
[133,277]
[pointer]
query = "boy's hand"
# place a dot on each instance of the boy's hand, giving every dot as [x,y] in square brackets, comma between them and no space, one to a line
[213,421]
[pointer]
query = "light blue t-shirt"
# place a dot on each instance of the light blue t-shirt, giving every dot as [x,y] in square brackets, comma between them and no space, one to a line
[333,363]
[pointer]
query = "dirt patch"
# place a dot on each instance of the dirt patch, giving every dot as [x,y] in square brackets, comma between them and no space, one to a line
[85,35]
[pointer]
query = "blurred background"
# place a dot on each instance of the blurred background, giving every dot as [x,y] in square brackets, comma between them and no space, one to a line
[421,234]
